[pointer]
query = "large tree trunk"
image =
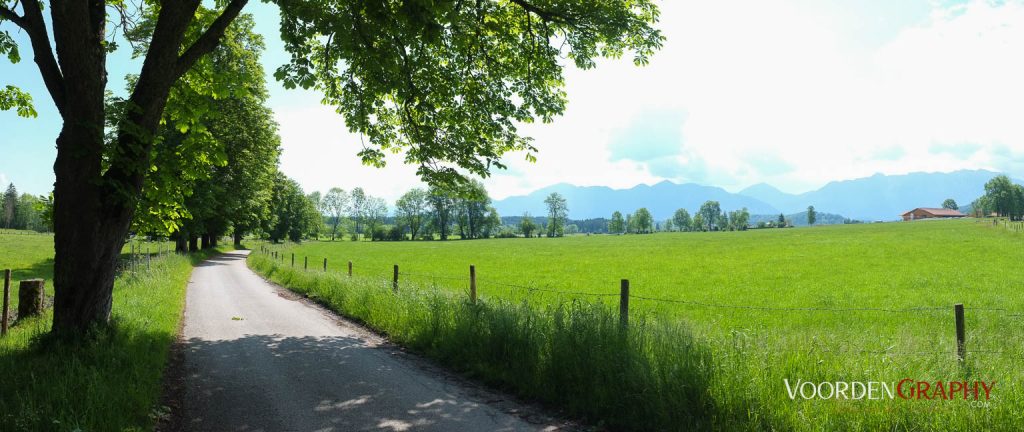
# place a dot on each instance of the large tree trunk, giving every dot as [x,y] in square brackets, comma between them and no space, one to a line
[89,230]
[205,239]
[238,239]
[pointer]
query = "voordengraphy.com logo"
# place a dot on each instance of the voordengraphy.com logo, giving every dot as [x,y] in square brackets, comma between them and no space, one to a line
[906,388]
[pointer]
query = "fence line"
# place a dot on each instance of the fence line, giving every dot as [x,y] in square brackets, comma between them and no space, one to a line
[625,295]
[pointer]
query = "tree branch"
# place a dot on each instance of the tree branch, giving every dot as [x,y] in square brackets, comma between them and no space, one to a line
[211,38]
[545,15]
[9,15]
[34,25]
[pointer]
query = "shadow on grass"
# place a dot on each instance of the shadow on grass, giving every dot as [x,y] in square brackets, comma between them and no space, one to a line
[105,383]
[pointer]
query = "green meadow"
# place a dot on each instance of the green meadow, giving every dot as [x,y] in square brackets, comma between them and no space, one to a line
[735,313]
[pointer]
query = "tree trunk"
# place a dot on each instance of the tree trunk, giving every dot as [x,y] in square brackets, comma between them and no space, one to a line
[90,227]
[213,240]
[205,241]
[193,244]
[238,239]
[180,244]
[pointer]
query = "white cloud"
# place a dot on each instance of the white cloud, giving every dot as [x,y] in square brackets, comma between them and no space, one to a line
[790,92]
[3,180]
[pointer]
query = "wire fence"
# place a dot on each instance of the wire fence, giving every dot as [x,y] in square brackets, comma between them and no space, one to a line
[472,281]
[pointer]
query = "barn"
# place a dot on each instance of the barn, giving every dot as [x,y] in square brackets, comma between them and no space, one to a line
[931,213]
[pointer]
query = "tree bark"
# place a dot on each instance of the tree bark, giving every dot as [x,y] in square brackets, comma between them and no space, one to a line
[238,239]
[205,241]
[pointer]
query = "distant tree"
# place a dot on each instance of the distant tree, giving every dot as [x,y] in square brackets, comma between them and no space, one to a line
[710,211]
[630,224]
[723,221]
[492,224]
[335,203]
[682,219]
[471,209]
[558,211]
[669,226]
[357,208]
[45,209]
[782,221]
[698,222]
[740,219]
[643,220]
[950,204]
[10,205]
[572,229]
[812,216]
[527,226]
[317,200]
[293,215]
[442,204]
[616,225]
[412,211]
[1002,195]
[375,212]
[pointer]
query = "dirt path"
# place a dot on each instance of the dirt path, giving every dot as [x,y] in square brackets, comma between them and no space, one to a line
[257,360]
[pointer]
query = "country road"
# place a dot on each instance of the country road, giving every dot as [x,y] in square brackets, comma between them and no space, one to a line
[258,359]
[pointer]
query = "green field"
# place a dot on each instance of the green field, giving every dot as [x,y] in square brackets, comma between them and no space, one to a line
[849,303]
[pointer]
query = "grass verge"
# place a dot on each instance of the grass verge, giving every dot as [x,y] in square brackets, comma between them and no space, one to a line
[112,382]
[573,355]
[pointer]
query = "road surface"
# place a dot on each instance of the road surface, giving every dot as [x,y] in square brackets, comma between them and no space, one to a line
[258,359]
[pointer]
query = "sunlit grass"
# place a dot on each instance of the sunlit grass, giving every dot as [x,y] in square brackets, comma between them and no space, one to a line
[899,266]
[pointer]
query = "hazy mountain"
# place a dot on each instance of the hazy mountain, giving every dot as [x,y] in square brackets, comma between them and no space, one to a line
[879,197]
[661,199]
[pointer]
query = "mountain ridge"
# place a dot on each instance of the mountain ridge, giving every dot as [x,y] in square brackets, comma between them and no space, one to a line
[877,197]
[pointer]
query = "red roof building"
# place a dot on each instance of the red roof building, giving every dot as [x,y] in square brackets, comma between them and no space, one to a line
[931,213]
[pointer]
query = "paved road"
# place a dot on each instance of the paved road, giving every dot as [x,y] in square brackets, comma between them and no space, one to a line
[255,360]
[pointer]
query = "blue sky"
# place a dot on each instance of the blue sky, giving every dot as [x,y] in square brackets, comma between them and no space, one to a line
[794,93]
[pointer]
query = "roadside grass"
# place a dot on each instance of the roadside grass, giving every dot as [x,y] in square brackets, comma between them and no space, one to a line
[650,376]
[852,294]
[110,382]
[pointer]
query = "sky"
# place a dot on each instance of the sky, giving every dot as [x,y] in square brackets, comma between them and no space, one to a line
[793,93]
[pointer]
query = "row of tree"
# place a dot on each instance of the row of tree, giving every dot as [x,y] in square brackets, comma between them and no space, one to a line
[464,210]
[26,211]
[1002,197]
[709,217]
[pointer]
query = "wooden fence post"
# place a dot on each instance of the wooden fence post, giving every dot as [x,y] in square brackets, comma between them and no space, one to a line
[472,284]
[624,302]
[394,284]
[305,265]
[7,301]
[293,259]
[350,269]
[149,259]
[30,298]
[325,264]
[961,350]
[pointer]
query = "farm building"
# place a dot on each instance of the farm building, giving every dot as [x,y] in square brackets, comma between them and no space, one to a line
[931,213]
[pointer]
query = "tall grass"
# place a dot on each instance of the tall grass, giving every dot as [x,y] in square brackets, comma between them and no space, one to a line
[110,382]
[573,355]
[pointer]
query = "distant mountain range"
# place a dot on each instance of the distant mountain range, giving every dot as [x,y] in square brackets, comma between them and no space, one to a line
[879,197]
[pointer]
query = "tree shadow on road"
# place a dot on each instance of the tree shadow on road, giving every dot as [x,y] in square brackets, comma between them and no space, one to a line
[320,383]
